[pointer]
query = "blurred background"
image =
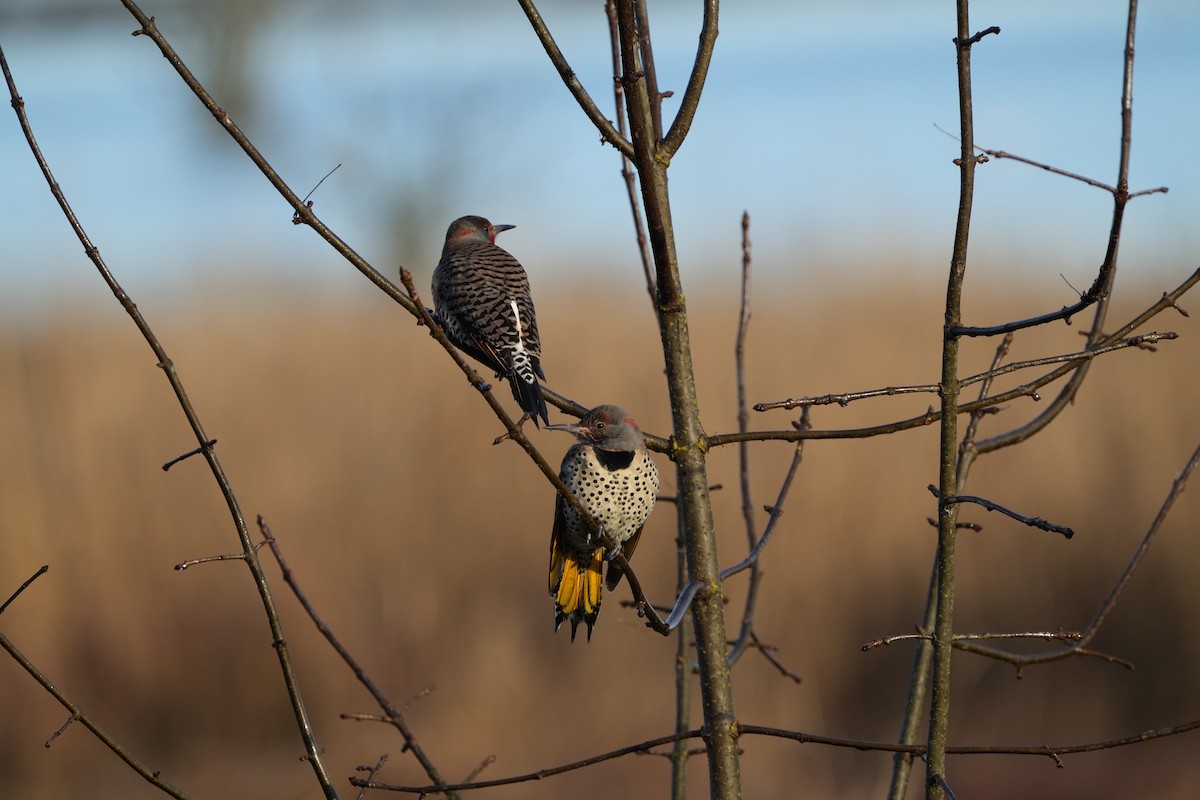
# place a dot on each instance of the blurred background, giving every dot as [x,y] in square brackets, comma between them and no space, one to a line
[424,546]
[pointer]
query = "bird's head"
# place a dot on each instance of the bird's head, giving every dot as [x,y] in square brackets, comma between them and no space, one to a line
[473,228]
[605,427]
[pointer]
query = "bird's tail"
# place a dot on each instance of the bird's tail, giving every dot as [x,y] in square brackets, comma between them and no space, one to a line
[575,587]
[523,373]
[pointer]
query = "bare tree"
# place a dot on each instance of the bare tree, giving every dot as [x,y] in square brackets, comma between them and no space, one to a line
[646,144]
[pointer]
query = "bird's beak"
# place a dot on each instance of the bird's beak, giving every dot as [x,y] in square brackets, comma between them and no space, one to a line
[566,426]
[502,228]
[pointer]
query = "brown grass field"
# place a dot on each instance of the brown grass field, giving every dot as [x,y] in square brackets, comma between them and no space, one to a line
[425,549]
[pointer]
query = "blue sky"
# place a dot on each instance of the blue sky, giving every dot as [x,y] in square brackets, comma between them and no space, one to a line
[818,118]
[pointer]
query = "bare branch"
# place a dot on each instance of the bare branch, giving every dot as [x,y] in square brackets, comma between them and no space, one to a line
[394,717]
[768,652]
[966,448]
[59,731]
[743,418]
[210,444]
[1001,154]
[607,132]
[1109,602]
[542,774]
[929,417]
[164,362]
[649,72]
[691,97]
[801,737]
[775,511]
[151,776]
[183,565]
[1033,522]
[887,641]
[639,227]
[302,210]
[25,585]
[371,771]
[1120,193]
[975,39]
[480,767]
[846,398]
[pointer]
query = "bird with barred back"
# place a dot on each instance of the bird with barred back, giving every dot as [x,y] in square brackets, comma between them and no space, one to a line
[481,299]
[610,472]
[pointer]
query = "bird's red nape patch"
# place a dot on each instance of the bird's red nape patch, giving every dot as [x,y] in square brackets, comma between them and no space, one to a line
[630,421]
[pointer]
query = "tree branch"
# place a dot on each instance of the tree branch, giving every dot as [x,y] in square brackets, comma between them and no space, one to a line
[639,227]
[691,97]
[1109,602]
[393,716]
[608,133]
[846,398]
[1033,522]
[1168,300]
[943,630]
[688,439]
[150,776]
[164,362]
[1046,751]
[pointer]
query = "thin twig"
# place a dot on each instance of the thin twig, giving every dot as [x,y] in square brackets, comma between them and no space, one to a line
[844,399]
[1033,522]
[371,771]
[1001,154]
[210,444]
[1061,636]
[25,585]
[151,776]
[607,132]
[639,227]
[480,767]
[394,717]
[59,731]
[303,722]
[775,511]
[768,652]
[801,737]
[743,418]
[967,444]
[1168,300]
[1099,290]
[949,390]
[304,212]
[1110,601]
[183,565]
[649,71]
[691,96]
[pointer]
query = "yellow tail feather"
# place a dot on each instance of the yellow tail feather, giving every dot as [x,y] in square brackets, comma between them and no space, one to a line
[575,587]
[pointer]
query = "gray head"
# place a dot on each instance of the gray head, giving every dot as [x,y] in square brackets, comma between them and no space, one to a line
[606,427]
[474,229]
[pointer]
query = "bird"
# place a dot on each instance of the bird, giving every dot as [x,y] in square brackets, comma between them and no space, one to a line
[482,301]
[610,472]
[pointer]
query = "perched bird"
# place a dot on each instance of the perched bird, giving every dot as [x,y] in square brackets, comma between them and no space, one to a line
[481,299]
[610,472]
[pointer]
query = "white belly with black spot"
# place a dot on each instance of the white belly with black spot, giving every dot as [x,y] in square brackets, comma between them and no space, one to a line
[620,499]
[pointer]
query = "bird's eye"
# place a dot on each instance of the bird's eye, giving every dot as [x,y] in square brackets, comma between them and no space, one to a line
[599,426]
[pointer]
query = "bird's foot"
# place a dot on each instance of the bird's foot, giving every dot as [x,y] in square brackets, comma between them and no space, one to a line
[619,550]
